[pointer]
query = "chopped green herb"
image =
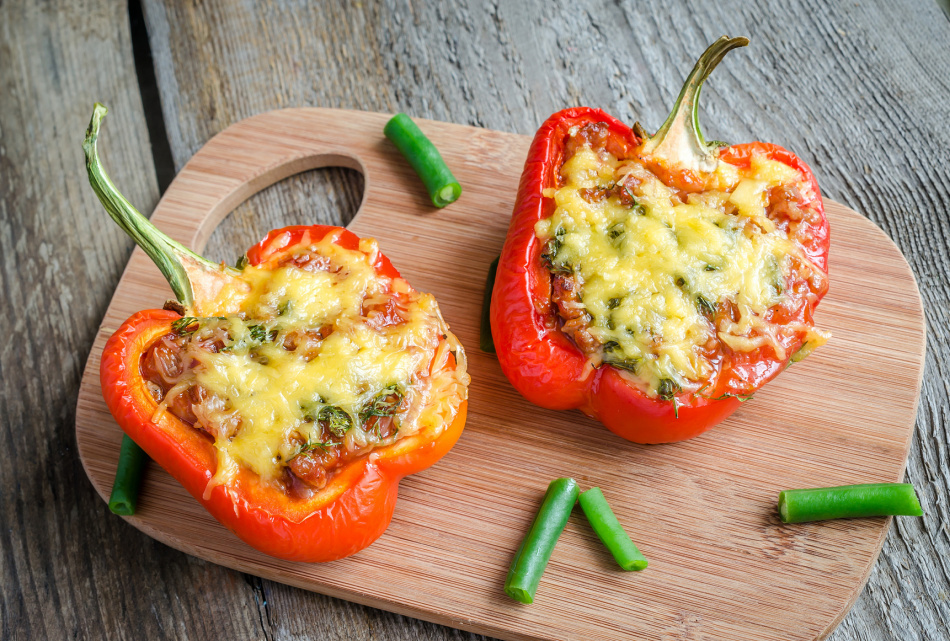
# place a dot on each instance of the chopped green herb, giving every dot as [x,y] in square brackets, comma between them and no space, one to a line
[550,252]
[185,325]
[378,434]
[801,353]
[613,303]
[618,361]
[615,232]
[668,389]
[386,403]
[312,445]
[335,419]
[241,262]
[257,333]
[332,418]
[739,397]
[705,306]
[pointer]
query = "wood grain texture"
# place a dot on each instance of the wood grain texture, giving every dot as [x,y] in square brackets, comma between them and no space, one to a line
[858,89]
[57,274]
[722,564]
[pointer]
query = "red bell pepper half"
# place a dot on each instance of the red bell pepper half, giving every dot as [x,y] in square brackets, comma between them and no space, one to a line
[356,504]
[542,362]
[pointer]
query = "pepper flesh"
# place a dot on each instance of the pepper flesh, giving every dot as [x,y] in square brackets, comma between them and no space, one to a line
[540,360]
[356,505]
[351,512]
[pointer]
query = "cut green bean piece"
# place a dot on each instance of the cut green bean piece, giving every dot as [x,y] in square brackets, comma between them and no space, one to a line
[848,501]
[608,529]
[485,340]
[128,477]
[424,158]
[536,548]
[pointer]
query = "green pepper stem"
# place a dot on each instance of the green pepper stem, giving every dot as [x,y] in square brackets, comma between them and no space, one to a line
[679,141]
[180,266]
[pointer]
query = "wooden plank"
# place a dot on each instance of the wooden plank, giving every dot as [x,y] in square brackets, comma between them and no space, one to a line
[862,94]
[857,89]
[66,565]
[68,568]
[703,509]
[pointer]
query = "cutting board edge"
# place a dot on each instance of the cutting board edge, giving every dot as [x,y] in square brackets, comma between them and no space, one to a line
[392,605]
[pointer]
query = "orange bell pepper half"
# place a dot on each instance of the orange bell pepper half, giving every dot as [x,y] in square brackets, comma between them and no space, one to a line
[356,504]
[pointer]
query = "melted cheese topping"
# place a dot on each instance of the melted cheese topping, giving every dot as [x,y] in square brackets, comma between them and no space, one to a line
[655,264]
[271,394]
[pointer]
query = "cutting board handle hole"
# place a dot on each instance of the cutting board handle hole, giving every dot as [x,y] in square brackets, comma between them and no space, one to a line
[326,196]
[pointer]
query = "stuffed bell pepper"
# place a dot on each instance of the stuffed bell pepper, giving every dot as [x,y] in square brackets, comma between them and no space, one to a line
[655,282]
[288,395]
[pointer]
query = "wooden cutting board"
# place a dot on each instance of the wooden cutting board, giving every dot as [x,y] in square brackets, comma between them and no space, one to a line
[722,565]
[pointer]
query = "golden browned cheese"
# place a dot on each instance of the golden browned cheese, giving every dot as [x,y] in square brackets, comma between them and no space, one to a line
[263,396]
[653,262]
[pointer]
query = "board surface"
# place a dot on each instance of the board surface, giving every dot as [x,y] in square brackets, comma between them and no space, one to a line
[722,565]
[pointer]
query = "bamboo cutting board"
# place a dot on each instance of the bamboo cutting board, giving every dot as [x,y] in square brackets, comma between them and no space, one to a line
[722,566]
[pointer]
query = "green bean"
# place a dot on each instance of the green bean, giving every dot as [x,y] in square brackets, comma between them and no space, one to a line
[536,548]
[608,529]
[485,339]
[848,501]
[424,158]
[128,477]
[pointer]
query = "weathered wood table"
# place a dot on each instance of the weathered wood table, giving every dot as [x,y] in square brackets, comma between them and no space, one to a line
[860,90]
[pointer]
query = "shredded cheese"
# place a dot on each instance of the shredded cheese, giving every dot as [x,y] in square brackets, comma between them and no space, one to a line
[355,351]
[652,273]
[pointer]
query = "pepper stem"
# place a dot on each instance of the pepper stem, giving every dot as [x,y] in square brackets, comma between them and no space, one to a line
[679,141]
[182,268]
